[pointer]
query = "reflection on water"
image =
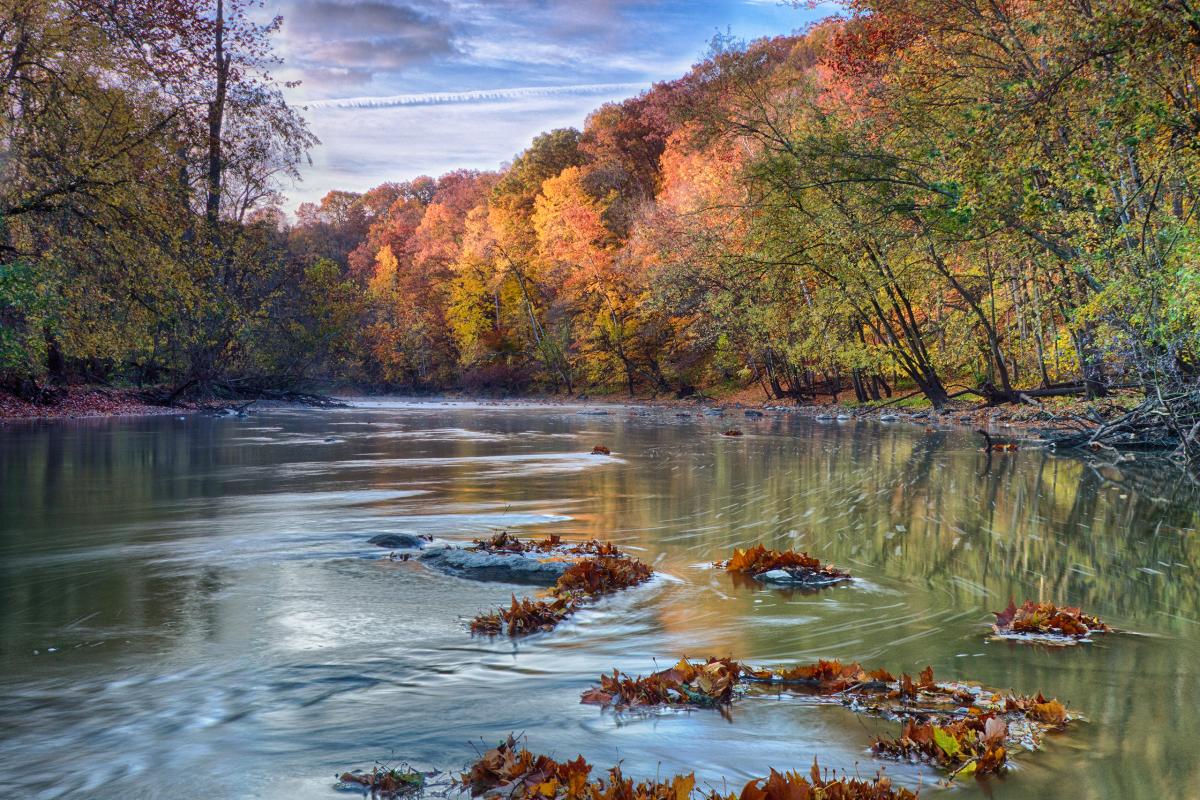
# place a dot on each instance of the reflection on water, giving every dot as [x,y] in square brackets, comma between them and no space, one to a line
[190,605]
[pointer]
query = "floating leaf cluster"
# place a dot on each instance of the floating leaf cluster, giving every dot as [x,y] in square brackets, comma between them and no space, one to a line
[1048,712]
[582,582]
[801,566]
[827,677]
[878,692]
[504,542]
[523,617]
[973,745]
[386,782]
[732,432]
[514,772]
[701,684]
[599,576]
[958,726]
[1044,620]
[793,786]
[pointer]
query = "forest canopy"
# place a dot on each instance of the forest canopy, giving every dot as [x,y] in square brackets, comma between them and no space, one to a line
[926,195]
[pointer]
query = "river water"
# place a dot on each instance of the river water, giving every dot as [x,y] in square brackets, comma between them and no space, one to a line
[189,607]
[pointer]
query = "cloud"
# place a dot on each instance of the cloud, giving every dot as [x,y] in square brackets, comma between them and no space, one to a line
[343,42]
[350,18]
[367,145]
[397,88]
[476,96]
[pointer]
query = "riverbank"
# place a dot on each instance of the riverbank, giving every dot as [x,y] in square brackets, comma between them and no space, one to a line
[81,402]
[84,402]
[1024,421]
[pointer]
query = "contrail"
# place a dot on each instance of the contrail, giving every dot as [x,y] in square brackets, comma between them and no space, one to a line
[477,96]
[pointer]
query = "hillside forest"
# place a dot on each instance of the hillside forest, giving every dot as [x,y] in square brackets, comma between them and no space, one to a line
[913,196]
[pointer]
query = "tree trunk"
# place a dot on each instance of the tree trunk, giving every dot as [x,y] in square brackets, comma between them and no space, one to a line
[216,118]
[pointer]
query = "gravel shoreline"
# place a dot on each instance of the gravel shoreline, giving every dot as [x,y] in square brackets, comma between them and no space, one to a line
[91,402]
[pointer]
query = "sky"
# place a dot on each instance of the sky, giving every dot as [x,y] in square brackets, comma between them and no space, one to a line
[400,88]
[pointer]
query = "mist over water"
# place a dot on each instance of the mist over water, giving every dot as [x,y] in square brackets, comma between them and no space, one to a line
[189,607]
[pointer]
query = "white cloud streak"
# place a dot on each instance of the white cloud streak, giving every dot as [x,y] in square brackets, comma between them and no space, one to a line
[475,96]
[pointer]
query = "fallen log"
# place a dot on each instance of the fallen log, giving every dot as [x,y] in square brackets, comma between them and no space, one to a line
[1159,423]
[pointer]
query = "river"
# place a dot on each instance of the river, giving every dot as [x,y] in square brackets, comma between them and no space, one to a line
[189,606]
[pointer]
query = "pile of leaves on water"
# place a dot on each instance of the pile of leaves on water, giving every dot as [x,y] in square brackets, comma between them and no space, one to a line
[793,786]
[582,582]
[878,692]
[523,617]
[386,782]
[801,566]
[973,745]
[732,432]
[601,450]
[946,724]
[827,677]
[1046,622]
[504,542]
[514,772]
[708,683]
[595,577]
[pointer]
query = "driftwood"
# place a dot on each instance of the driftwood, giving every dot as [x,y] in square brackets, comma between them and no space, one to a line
[989,445]
[1165,422]
[227,391]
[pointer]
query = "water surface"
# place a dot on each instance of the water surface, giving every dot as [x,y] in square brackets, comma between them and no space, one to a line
[189,607]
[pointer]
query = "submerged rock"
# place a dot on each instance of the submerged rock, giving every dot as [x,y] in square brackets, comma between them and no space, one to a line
[501,567]
[802,578]
[398,541]
[750,412]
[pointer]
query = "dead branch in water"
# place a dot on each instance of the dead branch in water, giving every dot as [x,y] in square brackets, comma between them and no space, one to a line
[1165,422]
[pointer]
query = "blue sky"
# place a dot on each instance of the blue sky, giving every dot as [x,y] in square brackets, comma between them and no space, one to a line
[399,88]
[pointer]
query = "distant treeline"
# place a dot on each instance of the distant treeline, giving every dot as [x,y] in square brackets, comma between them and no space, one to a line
[918,195]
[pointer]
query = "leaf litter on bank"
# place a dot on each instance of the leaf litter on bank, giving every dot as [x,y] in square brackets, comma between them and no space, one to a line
[784,567]
[1046,623]
[512,771]
[584,581]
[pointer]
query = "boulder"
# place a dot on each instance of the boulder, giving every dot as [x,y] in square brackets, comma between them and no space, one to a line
[775,576]
[499,567]
[800,578]
[397,541]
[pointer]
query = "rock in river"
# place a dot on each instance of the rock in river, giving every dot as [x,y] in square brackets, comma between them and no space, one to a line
[398,541]
[501,567]
[804,579]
